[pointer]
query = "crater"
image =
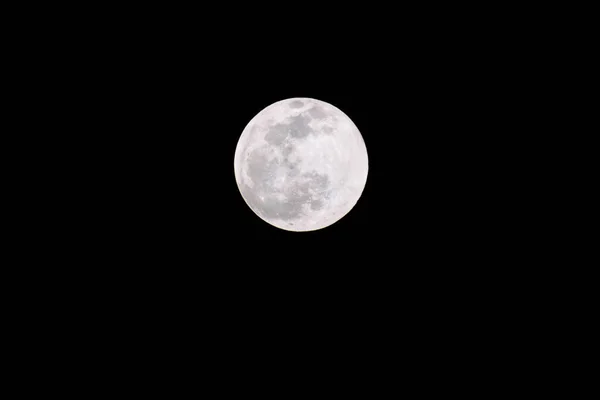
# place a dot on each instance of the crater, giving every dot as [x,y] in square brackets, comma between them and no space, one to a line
[287,150]
[317,182]
[317,112]
[277,134]
[296,104]
[293,171]
[257,168]
[299,127]
[316,205]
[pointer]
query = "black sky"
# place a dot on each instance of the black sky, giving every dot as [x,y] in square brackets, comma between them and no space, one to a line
[170,102]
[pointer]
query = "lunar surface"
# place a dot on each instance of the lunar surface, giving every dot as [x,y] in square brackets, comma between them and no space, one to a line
[301,164]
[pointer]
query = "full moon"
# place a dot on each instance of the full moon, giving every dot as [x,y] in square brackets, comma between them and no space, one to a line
[301,164]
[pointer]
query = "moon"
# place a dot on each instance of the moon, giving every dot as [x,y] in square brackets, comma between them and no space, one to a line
[301,164]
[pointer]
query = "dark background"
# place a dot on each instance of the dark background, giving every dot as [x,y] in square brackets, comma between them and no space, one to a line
[169,213]
[161,103]
[151,250]
[173,130]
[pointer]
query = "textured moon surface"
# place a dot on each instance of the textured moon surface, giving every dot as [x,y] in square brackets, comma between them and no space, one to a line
[301,164]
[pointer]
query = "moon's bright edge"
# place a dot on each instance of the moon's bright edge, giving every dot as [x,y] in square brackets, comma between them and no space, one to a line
[301,164]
